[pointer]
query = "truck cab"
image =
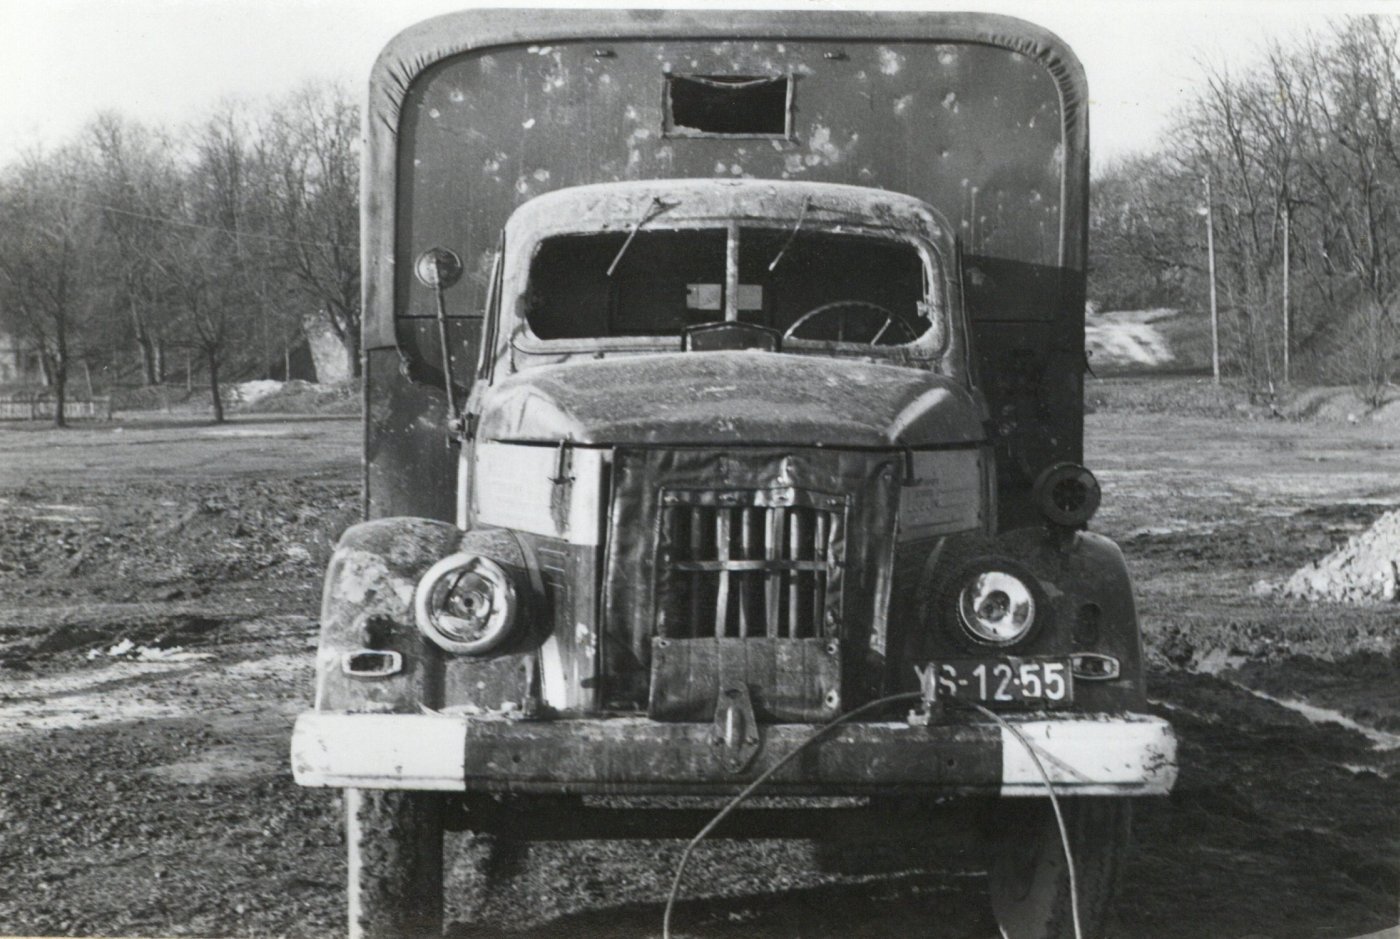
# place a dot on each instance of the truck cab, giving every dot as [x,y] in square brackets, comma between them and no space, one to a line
[735,439]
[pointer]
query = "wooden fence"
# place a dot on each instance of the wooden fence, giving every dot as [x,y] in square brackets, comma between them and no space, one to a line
[39,406]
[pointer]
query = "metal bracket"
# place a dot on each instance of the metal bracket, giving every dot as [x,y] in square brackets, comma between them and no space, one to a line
[563,463]
[735,728]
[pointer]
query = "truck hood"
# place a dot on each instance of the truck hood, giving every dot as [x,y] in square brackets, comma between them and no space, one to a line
[728,398]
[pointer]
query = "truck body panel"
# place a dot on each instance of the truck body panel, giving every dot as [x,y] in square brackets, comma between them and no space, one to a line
[472,114]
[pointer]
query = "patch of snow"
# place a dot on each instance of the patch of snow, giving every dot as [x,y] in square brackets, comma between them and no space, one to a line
[1364,570]
[250,391]
[1117,342]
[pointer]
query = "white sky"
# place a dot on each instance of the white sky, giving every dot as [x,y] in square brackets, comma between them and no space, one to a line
[164,61]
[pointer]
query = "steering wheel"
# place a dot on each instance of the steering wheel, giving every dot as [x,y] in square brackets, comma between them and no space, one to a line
[845,308]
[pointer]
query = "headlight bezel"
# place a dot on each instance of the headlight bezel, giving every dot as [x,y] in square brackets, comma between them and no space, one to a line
[995,607]
[952,576]
[431,599]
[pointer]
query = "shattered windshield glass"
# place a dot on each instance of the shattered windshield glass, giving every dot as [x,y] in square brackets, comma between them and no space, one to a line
[826,285]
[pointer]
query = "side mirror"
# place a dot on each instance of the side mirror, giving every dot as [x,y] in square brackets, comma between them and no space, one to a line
[438,268]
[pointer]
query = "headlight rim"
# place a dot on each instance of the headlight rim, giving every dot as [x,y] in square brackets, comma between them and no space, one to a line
[948,586]
[969,580]
[426,604]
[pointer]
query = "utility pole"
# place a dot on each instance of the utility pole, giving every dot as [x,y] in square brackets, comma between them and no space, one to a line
[1214,312]
[1287,227]
[972,232]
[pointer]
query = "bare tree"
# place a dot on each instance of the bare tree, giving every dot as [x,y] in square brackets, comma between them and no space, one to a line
[1303,153]
[45,283]
[310,145]
[208,273]
[1147,248]
[136,185]
[1353,168]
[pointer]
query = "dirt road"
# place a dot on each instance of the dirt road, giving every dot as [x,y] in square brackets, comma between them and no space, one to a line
[158,585]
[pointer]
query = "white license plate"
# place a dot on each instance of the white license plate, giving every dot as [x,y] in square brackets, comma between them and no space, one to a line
[1008,680]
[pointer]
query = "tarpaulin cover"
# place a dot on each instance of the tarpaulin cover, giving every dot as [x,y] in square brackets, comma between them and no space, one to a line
[473,113]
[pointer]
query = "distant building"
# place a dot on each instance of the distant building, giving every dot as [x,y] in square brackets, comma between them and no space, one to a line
[327,351]
[19,362]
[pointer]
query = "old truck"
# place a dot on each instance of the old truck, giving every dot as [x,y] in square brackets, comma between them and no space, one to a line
[723,398]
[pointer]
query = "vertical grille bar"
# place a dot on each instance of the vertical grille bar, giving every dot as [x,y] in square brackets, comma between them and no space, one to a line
[670,536]
[794,577]
[697,579]
[745,580]
[818,579]
[773,580]
[722,523]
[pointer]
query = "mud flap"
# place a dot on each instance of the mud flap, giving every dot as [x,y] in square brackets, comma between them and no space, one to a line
[788,680]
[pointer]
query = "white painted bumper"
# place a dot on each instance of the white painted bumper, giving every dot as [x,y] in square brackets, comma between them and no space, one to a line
[1100,755]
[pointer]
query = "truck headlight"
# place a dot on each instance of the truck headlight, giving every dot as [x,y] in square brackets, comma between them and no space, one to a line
[996,608]
[466,604]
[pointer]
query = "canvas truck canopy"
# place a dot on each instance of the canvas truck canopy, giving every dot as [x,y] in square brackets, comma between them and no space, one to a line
[983,117]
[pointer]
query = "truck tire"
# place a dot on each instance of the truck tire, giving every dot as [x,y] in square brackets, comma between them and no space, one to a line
[1027,878]
[394,853]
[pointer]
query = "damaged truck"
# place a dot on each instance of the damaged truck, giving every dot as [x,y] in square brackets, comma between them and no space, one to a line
[723,424]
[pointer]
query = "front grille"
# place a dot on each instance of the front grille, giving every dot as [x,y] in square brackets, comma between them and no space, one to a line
[749,563]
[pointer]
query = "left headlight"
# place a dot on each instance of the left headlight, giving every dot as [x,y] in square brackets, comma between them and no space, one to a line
[467,604]
[996,607]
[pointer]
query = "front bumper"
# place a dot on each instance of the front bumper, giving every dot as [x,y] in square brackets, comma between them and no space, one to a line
[1089,754]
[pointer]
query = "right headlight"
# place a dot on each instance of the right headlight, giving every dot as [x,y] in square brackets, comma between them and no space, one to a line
[467,604]
[996,608]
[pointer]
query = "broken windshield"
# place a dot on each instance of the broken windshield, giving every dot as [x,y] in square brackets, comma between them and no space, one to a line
[831,286]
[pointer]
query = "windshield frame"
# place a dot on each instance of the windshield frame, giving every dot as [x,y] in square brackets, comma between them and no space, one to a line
[924,352]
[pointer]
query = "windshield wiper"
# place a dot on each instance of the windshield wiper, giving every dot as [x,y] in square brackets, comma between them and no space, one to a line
[802,217]
[653,209]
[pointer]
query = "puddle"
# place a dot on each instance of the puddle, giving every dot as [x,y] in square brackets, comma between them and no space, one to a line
[220,765]
[1380,739]
[1359,770]
[83,699]
[51,512]
[127,690]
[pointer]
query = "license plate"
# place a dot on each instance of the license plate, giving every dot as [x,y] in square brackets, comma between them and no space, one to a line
[1043,682]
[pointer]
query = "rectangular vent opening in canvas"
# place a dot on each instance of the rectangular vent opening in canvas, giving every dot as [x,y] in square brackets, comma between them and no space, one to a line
[727,106]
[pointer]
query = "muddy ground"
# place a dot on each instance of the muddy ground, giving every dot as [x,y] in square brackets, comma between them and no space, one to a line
[158,586]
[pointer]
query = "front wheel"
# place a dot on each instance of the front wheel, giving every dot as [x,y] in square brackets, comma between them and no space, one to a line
[1027,877]
[394,854]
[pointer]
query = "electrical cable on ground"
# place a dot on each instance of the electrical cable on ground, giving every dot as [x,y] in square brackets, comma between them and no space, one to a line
[763,777]
[1054,804]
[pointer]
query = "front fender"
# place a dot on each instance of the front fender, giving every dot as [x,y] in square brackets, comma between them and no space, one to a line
[1082,580]
[367,606]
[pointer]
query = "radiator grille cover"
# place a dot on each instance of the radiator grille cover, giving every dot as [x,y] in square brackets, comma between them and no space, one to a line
[668,561]
[749,563]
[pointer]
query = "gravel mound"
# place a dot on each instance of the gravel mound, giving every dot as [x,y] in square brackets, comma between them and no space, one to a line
[1364,570]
